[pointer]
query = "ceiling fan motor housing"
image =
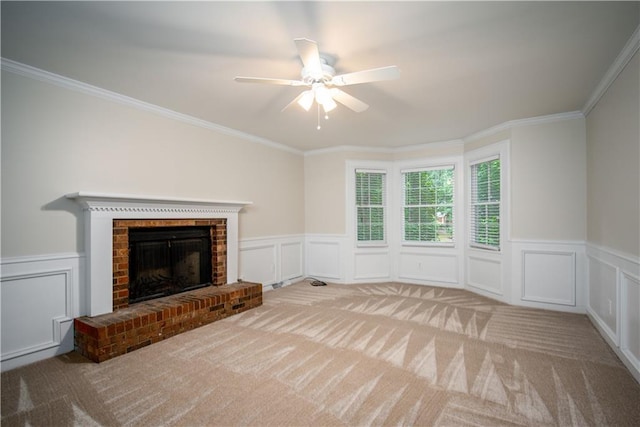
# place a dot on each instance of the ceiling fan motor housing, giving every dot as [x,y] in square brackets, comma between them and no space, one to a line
[309,77]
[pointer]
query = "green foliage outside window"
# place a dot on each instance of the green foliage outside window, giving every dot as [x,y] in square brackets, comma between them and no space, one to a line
[485,203]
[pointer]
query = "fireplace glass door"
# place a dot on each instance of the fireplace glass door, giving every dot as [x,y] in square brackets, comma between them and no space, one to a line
[168,260]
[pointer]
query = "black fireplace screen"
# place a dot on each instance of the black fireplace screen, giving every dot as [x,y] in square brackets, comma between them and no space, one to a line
[168,260]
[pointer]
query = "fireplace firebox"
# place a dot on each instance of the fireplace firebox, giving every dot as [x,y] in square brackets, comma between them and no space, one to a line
[168,260]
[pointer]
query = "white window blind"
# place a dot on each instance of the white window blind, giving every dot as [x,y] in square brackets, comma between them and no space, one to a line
[370,205]
[485,204]
[428,205]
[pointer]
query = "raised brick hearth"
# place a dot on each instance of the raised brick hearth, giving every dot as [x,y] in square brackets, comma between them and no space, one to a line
[109,335]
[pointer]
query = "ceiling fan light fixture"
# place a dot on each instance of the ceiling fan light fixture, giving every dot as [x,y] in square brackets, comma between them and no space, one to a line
[324,97]
[322,93]
[306,100]
[329,104]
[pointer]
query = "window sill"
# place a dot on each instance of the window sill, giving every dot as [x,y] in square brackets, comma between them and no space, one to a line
[449,245]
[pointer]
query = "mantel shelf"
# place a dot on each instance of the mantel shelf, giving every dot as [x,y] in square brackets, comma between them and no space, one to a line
[88,199]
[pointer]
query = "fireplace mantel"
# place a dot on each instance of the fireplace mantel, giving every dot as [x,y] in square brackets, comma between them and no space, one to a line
[124,202]
[102,208]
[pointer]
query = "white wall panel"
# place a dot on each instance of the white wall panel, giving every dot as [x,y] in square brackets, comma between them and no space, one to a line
[372,265]
[549,276]
[630,319]
[323,259]
[603,295]
[40,298]
[428,267]
[271,260]
[258,264]
[485,274]
[614,301]
[291,257]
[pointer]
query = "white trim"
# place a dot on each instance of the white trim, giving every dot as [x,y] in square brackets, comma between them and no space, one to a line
[387,150]
[87,89]
[547,242]
[551,118]
[40,258]
[625,55]
[530,121]
[615,256]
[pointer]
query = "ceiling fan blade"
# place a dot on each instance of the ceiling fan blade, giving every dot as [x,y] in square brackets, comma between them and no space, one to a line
[310,55]
[348,101]
[282,82]
[376,74]
[296,99]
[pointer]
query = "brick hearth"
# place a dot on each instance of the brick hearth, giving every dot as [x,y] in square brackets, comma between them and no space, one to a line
[109,335]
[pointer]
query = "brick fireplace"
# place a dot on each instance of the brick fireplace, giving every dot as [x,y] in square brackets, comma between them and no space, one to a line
[110,325]
[218,232]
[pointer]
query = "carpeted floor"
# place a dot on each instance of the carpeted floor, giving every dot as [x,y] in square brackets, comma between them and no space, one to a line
[380,354]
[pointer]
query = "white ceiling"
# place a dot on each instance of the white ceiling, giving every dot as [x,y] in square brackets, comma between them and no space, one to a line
[465,66]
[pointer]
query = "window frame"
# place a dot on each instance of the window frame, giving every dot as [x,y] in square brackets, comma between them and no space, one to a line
[403,205]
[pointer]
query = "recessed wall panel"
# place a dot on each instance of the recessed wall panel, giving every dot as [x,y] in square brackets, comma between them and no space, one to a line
[372,266]
[428,267]
[31,303]
[291,260]
[485,274]
[549,276]
[258,264]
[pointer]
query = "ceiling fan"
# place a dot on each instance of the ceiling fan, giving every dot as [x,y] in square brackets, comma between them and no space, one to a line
[319,76]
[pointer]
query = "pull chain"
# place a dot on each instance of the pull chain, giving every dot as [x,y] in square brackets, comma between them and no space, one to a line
[318,116]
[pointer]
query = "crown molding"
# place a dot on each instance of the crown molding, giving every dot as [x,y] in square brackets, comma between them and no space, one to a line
[625,55]
[65,82]
[571,115]
[85,88]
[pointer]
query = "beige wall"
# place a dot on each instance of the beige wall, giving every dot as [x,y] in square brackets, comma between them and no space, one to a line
[548,181]
[325,189]
[56,141]
[478,142]
[613,165]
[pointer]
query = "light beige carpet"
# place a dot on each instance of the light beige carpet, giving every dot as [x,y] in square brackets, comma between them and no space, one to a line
[381,354]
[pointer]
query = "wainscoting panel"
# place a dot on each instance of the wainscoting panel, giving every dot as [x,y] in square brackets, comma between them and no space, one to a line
[372,265]
[40,298]
[614,302]
[323,257]
[630,319]
[258,263]
[291,255]
[484,272]
[271,260]
[603,295]
[549,277]
[428,267]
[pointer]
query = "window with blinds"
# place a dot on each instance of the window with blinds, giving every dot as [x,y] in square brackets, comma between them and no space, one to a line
[428,205]
[485,204]
[370,205]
